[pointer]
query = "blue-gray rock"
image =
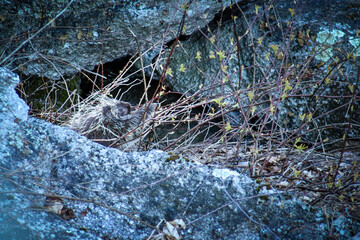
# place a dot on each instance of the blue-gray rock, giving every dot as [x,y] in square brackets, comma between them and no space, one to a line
[92,32]
[106,193]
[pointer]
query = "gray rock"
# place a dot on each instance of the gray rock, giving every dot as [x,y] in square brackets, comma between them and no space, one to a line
[113,194]
[90,32]
[260,72]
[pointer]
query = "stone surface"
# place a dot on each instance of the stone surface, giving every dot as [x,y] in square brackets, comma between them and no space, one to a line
[321,40]
[109,190]
[90,32]
[117,195]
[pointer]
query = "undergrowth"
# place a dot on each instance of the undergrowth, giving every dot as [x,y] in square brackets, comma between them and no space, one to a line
[286,114]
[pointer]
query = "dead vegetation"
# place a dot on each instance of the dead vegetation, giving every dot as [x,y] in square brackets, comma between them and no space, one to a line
[275,126]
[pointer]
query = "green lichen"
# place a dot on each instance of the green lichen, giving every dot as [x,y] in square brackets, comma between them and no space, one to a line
[264,197]
[355,42]
[172,158]
[44,95]
[327,39]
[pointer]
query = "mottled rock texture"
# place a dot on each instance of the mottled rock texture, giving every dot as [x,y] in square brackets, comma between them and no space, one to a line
[120,195]
[90,32]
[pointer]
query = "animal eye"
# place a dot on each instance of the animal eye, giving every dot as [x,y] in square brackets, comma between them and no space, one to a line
[123,109]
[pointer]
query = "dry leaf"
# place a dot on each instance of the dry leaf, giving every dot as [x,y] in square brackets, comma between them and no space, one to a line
[54,205]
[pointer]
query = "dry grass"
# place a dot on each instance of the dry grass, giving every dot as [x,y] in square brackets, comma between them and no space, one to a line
[246,127]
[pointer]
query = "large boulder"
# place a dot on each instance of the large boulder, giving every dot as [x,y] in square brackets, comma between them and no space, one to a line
[57,184]
[299,61]
[293,61]
[91,32]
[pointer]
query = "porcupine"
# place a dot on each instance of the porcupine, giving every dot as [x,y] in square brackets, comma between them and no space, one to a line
[114,123]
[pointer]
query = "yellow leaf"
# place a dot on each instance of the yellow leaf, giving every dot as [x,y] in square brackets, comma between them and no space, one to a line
[327,80]
[184,29]
[267,56]
[257,9]
[89,35]
[79,35]
[260,41]
[351,87]
[198,55]
[212,39]
[308,117]
[275,48]
[280,56]
[218,101]
[182,68]
[169,72]
[224,68]
[201,85]
[221,54]
[341,71]
[185,6]
[301,41]
[338,184]
[301,147]
[212,55]
[287,86]
[297,140]
[292,11]
[251,95]
[228,126]
[272,109]
[63,38]
[232,41]
[253,109]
